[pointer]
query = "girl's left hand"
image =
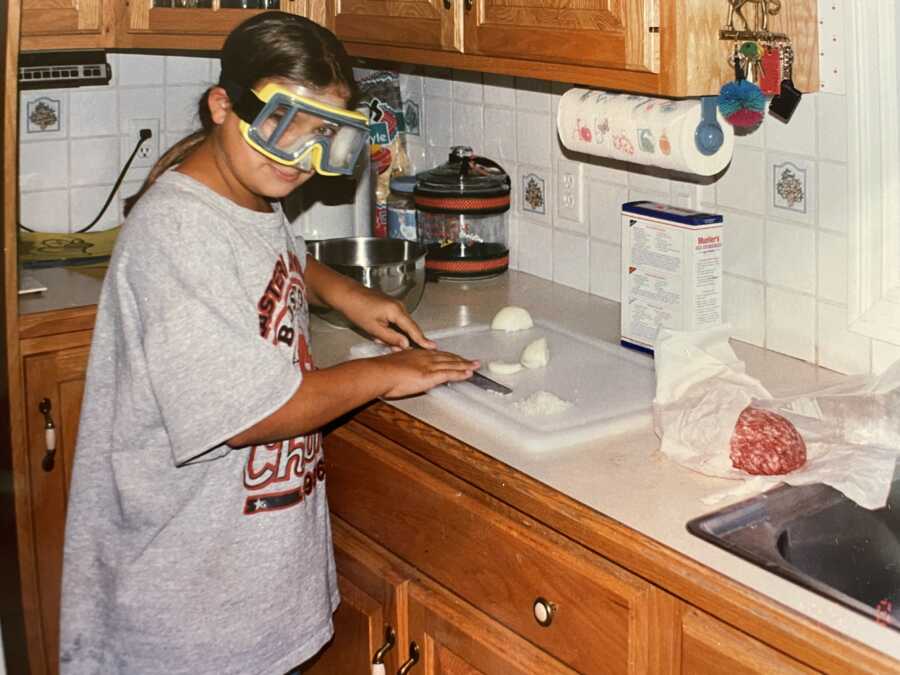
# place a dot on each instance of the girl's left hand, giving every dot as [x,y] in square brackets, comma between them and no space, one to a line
[371,310]
[374,312]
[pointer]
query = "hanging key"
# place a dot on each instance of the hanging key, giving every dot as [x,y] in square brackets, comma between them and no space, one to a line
[785,103]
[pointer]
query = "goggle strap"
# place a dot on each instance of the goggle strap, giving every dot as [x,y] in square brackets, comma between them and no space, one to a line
[244,101]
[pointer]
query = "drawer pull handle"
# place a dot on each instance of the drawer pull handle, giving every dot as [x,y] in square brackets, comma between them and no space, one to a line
[468,4]
[543,611]
[413,659]
[446,4]
[378,660]
[49,436]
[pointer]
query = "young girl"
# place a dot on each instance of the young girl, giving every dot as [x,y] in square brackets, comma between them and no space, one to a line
[198,538]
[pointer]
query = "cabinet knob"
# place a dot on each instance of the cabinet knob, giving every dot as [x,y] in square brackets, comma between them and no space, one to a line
[378,660]
[413,659]
[447,4]
[49,435]
[468,5]
[543,611]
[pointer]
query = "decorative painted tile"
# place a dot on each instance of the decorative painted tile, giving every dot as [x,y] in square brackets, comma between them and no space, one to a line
[789,183]
[791,187]
[411,117]
[534,194]
[43,115]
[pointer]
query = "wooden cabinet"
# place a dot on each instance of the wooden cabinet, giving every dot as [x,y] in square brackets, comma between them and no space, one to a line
[595,34]
[54,382]
[166,24]
[498,560]
[663,47]
[67,24]
[373,607]
[710,647]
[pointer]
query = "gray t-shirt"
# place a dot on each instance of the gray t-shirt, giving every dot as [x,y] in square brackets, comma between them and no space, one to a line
[183,555]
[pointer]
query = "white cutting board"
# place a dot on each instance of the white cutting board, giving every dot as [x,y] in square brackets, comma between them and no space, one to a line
[611,388]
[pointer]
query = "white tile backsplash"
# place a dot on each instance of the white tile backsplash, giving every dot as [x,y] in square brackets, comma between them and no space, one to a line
[533,135]
[44,165]
[85,204]
[468,125]
[499,133]
[535,249]
[833,186]
[141,69]
[798,136]
[93,113]
[742,186]
[570,260]
[791,323]
[831,127]
[832,267]
[785,256]
[45,211]
[840,349]
[187,70]
[744,307]
[744,251]
[791,256]
[95,161]
[606,270]
[467,86]
[604,210]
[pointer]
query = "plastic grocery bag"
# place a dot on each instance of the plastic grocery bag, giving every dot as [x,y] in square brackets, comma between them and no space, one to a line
[851,430]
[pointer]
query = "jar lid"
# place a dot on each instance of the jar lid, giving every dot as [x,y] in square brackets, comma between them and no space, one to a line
[465,183]
[403,184]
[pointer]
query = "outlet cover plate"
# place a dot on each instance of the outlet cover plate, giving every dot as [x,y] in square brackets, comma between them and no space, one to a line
[149,150]
[570,190]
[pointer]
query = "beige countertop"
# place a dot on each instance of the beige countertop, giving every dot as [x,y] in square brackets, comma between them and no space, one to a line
[625,476]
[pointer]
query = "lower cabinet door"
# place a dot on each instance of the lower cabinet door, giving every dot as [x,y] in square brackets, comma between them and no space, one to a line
[54,387]
[711,647]
[447,636]
[369,618]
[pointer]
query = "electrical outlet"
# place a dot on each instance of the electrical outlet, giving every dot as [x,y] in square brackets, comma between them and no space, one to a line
[148,153]
[569,190]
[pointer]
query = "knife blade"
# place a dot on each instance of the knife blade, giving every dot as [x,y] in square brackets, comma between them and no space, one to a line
[479,380]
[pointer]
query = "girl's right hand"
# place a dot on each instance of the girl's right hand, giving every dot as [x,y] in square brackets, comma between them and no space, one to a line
[413,371]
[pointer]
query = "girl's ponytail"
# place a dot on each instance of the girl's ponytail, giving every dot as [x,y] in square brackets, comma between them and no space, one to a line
[177,153]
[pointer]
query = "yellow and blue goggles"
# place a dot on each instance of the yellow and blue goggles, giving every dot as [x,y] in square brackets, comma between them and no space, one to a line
[300,131]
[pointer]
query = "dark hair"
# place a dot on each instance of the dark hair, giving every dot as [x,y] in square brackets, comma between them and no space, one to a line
[267,45]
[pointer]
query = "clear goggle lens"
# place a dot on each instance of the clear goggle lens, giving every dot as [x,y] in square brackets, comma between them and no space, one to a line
[297,131]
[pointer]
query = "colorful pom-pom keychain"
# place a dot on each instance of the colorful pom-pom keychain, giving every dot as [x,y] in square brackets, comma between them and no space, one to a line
[741,102]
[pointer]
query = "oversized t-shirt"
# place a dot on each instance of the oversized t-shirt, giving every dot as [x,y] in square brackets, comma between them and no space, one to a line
[183,555]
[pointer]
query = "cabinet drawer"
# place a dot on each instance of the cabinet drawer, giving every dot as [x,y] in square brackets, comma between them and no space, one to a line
[489,554]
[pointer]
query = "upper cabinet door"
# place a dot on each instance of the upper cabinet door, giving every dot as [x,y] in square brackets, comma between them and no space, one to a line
[620,34]
[428,24]
[66,24]
[165,24]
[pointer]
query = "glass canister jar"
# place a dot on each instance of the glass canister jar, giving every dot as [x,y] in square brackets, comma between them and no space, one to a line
[401,209]
[461,212]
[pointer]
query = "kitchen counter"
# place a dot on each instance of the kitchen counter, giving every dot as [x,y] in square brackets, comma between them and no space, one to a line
[624,477]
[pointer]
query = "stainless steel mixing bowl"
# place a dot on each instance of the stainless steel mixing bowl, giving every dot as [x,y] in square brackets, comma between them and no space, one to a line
[393,266]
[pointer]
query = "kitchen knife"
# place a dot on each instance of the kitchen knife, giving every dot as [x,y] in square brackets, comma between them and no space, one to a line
[477,378]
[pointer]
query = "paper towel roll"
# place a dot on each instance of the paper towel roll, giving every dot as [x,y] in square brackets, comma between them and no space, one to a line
[641,129]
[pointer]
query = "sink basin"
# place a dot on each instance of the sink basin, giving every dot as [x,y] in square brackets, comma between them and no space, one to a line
[815,536]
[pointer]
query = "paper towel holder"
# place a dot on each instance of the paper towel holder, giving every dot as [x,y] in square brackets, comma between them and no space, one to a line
[709,135]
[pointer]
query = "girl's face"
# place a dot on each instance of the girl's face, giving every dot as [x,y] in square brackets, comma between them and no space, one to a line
[249,173]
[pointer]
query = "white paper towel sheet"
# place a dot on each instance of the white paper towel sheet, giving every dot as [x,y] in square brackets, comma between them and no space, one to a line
[641,129]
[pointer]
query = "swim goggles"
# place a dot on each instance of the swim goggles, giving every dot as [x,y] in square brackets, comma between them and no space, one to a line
[299,131]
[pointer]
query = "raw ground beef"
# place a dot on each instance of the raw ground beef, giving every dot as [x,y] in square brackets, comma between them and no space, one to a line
[765,443]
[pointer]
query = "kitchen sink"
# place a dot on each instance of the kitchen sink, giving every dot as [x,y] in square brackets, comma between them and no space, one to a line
[815,536]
